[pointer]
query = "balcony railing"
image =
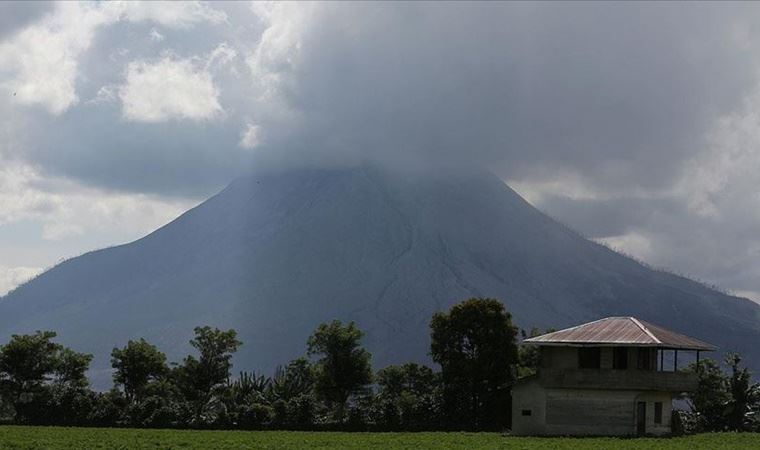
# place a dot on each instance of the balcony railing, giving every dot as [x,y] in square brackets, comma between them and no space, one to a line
[630,379]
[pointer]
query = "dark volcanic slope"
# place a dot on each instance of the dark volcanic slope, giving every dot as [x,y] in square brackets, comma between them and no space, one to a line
[272,256]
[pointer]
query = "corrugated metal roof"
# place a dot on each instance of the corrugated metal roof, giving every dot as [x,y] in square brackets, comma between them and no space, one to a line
[621,331]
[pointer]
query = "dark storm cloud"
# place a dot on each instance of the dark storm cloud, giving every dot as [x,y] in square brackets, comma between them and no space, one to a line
[618,93]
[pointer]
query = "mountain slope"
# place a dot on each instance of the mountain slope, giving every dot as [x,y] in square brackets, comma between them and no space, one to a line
[274,255]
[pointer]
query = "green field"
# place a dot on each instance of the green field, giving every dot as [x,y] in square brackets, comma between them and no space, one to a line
[14,437]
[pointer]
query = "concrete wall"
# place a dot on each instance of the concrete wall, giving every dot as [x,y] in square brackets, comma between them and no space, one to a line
[584,411]
[667,407]
[590,412]
[530,396]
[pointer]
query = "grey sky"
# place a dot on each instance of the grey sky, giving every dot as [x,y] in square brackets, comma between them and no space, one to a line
[637,124]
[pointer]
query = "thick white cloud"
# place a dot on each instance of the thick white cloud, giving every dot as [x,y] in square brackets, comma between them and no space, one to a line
[39,65]
[171,88]
[277,54]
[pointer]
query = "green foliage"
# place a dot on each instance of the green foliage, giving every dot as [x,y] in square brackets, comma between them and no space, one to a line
[474,342]
[292,394]
[198,379]
[343,368]
[724,401]
[44,382]
[408,398]
[136,365]
[744,403]
[528,355]
[709,402]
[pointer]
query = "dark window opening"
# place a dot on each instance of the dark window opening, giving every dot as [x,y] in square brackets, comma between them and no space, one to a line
[658,412]
[527,412]
[645,359]
[620,358]
[589,357]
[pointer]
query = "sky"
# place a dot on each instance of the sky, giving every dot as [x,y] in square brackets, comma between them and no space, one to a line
[636,124]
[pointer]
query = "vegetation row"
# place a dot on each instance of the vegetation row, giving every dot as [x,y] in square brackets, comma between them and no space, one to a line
[332,387]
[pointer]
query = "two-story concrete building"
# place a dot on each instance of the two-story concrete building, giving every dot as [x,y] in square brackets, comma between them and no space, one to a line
[607,377]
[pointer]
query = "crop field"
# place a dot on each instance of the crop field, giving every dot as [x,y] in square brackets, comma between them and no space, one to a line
[17,437]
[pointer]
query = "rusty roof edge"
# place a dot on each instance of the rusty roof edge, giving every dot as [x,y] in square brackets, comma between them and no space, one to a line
[645,329]
[699,344]
[531,339]
[546,340]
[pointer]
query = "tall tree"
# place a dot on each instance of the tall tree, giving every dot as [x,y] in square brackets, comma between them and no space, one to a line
[474,342]
[197,378]
[745,395]
[136,365]
[709,402]
[343,367]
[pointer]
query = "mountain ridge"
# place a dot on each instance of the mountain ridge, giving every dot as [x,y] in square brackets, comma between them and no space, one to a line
[273,255]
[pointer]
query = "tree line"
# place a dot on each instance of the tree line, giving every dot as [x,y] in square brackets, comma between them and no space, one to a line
[333,386]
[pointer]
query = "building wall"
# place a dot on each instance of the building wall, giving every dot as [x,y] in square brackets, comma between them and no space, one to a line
[529,396]
[584,411]
[667,408]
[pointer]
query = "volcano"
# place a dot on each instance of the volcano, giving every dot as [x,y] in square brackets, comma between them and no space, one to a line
[273,255]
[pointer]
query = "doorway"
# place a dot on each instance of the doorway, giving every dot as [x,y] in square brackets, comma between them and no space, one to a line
[641,418]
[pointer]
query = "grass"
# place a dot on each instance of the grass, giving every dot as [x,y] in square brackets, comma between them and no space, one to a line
[17,437]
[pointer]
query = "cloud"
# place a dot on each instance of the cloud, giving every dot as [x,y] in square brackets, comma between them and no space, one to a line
[155,36]
[66,209]
[171,14]
[39,64]
[171,88]
[10,277]
[249,138]
[634,124]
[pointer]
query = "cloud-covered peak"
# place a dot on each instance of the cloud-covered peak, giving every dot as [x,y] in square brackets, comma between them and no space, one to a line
[634,123]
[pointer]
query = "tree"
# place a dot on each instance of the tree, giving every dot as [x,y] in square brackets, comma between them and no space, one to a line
[43,381]
[744,395]
[528,355]
[198,378]
[408,397]
[343,368]
[136,365]
[709,401]
[474,342]
[291,393]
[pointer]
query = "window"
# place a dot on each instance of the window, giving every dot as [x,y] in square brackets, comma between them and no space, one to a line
[528,412]
[658,412]
[589,357]
[620,358]
[645,359]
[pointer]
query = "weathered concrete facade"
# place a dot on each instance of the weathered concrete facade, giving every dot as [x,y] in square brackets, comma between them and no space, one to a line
[616,386]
